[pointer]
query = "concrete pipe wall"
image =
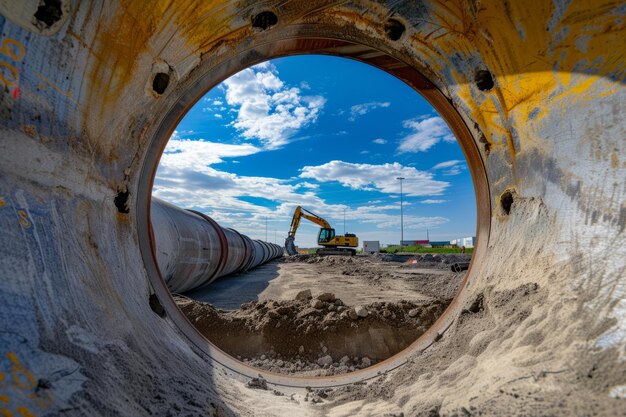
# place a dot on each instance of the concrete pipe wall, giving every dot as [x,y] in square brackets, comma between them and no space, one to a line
[91,92]
[192,250]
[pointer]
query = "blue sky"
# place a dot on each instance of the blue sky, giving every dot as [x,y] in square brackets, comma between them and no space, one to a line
[327,133]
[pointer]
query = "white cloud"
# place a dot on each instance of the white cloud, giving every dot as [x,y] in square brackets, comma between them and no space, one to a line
[217,102]
[452,171]
[454,167]
[186,178]
[306,184]
[430,201]
[267,109]
[217,115]
[427,133]
[379,141]
[377,177]
[364,108]
[387,216]
[197,154]
[447,164]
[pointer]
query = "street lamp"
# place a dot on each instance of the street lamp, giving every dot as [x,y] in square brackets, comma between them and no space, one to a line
[401,214]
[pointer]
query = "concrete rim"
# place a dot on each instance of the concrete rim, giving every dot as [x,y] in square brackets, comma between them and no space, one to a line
[300,44]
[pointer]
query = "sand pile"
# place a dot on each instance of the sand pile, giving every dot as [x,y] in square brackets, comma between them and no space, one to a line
[424,260]
[313,335]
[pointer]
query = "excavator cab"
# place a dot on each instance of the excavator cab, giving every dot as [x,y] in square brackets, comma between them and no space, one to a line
[325,235]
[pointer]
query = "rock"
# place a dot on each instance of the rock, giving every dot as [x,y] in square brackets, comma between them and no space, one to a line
[279,363]
[352,314]
[317,304]
[263,357]
[344,360]
[386,313]
[308,311]
[301,349]
[327,297]
[338,302]
[324,349]
[361,311]
[332,307]
[283,310]
[257,383]
[273,314]
[366,361]
[325,360]
[414,312]
[304,295]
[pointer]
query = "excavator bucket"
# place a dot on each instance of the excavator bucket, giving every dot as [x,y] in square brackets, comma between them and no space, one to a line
[290,246]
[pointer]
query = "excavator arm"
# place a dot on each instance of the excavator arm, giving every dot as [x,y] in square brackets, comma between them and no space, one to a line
[299,213]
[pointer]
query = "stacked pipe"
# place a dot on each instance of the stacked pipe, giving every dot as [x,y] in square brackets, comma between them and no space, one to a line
[192,250]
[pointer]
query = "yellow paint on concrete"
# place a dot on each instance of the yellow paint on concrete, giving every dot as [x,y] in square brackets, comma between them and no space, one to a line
[530,63]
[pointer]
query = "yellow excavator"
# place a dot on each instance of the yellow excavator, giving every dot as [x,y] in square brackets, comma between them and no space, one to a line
[332,245]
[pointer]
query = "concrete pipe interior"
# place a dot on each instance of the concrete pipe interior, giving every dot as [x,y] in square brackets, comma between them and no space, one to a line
[533,91]
[377,340]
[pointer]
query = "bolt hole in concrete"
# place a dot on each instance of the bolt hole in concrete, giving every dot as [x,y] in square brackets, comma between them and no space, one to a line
[285,133]
[394,29]
[506,201]
[156,305]
[49,12]
[484,80]
[160,82]
[121,201]
[264,20]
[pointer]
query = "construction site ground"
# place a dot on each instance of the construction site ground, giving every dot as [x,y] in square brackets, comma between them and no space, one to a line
[312,315]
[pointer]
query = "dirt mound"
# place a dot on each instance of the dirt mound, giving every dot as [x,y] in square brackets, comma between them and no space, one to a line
[326,260]
[319,336]
[441,260]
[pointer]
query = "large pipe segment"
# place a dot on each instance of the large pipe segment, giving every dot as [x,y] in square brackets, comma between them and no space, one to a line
[193,250]
[90,93]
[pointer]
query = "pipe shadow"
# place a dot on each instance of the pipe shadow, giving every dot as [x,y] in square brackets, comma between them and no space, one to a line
[229,292]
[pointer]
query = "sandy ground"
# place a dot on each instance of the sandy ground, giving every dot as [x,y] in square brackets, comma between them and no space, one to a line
[501,356]
[355,280]
[321,316]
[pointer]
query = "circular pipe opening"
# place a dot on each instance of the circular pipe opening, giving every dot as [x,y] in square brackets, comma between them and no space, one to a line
[197,87]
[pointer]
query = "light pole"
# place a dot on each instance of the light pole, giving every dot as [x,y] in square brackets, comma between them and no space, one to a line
[401,214]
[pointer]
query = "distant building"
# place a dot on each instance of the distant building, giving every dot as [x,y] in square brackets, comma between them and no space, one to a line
[371,246]
[468,242]
[440,244]
[423,243]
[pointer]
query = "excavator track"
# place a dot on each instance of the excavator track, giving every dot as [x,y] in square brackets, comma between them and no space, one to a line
[336,251]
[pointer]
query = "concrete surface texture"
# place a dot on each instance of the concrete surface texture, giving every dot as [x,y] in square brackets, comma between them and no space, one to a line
[92,90]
